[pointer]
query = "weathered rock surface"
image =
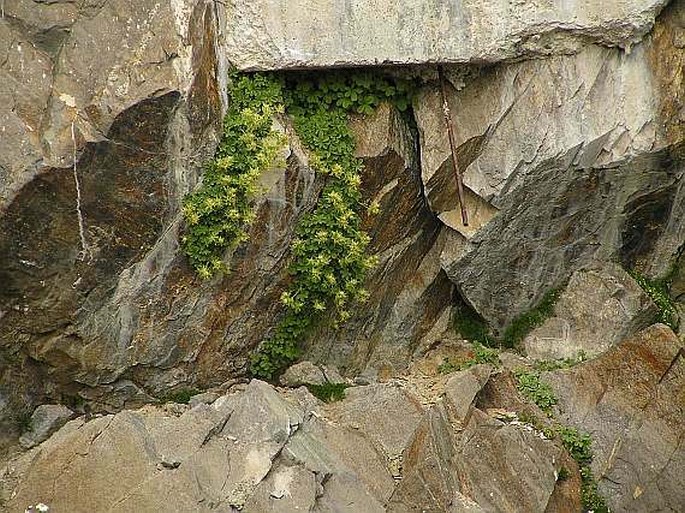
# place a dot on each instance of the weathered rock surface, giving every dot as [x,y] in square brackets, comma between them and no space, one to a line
[437,444]
[587,215]
[266,34]
[632,401]
[45,420]
[99,300]
[306,373]
[598,308]
[107,109]
[380,449]
[536,136]
[409,293]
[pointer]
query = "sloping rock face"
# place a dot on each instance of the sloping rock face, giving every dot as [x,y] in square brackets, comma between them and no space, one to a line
[632,401]
[107,110]
[266,34]
[557,180]
[598,308]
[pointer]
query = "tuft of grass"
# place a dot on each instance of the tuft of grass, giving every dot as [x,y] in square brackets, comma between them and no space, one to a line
[562,363]
[181,396]
[328,392]
[481,354]
[526,322]
[659,291]
[535,390]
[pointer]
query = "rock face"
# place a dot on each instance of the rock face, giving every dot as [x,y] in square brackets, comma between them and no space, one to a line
[598,308]
[98,301]
[274,35]
[569,125]
[107,110]
[45,420]
[631,400]
[563,181]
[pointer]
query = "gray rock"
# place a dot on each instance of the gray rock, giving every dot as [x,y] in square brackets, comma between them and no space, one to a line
[306,373]
[584,216]
[598,309]
[267,35]
[630,400]
[45,420]
[461,390]
[566,126]
[203,398]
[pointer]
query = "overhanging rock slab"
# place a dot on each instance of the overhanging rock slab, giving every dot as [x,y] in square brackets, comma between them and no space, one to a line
[281,34]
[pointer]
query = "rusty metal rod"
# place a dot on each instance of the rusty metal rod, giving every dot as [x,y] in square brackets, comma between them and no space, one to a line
[453,147]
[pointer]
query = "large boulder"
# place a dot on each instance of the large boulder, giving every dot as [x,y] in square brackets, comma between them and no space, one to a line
[271,35]
[631,401]
[598,308]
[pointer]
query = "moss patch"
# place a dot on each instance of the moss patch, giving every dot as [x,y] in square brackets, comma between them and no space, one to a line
[526,322]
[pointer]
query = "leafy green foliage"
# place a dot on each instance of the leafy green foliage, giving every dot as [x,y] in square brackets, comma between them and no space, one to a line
[562,363]
[589,494]
[329,251]
[659,291]
[357,91]
[526,322]
[534,389]
[580,446]
[181,396]
[218,211]
[564,474]
[472,326]
[481,354]
[328,392]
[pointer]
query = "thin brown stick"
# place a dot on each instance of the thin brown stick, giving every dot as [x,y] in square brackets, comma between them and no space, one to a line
[453,147]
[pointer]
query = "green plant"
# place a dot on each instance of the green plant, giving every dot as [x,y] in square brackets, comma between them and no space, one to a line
[217,212]
[24,421]
[579,445]
[481,355]
[350,91]
[526,322]
[329,260]
[447,367]
[534,389]
[563,363]
[563,474]
[181,396]
[592,500]
[328,392]
[472,326]
[659,291]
